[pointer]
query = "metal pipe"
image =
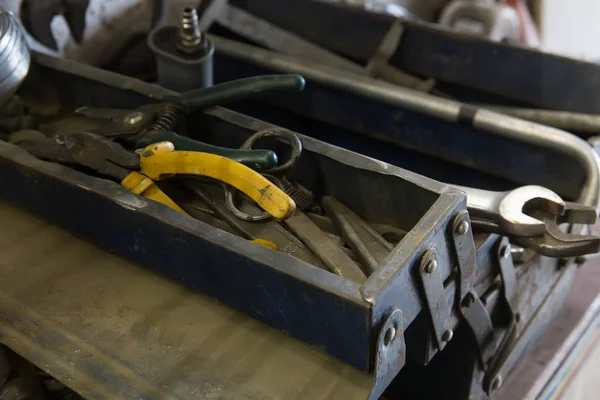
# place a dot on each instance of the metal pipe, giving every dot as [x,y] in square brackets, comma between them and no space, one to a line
[550,138]
[570,121]
[447,110]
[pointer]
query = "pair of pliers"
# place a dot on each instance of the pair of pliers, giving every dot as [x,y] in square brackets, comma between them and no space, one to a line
[557,243]
[138,172]
[153,123]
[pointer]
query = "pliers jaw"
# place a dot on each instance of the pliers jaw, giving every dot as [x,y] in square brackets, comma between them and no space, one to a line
[37,16]
[121,122]
[557,243]
[106,157]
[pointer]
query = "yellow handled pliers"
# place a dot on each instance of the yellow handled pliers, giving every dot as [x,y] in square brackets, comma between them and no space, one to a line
[161,160]
[137,172]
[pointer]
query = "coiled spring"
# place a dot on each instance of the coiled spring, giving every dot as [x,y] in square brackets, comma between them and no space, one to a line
[167,119]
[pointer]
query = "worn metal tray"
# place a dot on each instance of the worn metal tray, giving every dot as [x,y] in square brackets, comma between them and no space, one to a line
[363,325]
[343,318]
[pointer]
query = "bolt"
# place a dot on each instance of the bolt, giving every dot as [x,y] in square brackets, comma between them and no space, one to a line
[134,118]
[448,335]
[496,382]
[505,252]
[390,334]
[431,266]
[463,227]
[189,30]
[518,254]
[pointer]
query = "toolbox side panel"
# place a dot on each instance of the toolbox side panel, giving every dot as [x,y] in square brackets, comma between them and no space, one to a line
[526,76]
[529,77]
[402,287]
[325,310]
[313,20]
[387,194]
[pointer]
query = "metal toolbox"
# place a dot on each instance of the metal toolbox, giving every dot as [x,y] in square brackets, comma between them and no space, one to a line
[468,67]
[419,290]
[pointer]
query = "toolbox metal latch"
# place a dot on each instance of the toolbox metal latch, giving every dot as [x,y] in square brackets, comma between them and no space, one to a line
[391,353]
[435,298]
[470,305]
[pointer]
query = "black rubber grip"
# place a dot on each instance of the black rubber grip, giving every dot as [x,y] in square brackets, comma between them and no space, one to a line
[466,115]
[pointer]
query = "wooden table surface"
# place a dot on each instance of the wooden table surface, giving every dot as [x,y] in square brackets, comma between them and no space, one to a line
[534,372]
[111,329]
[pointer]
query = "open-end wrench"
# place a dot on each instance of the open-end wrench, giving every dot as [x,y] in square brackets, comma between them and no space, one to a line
[531,215]
[506,213]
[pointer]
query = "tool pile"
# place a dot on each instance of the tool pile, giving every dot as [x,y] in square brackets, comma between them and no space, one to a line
[140,149]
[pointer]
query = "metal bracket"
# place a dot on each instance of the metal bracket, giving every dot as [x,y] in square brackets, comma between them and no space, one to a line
[493,377]
[475,314]
[391,354]
[464,248]
[470,307]
[435,297]
[508,275]
[379,67]
[391,40]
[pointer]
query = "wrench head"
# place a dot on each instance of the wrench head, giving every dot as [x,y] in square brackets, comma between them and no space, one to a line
[527,199]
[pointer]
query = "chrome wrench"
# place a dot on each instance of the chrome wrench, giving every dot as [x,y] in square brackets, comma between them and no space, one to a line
[505,212]
[531,215]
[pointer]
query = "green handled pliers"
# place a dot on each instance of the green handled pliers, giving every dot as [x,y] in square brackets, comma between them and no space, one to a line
[153,123]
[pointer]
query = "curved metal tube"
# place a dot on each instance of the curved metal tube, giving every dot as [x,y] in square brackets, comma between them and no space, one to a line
[550,138]
[447,110]
[569,121]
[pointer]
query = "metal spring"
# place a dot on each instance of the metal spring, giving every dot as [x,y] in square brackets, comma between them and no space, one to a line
[189,30]
[301,196]
[167,119]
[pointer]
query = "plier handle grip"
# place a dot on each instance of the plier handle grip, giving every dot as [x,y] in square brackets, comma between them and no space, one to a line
[153,123]
[161,160]
[110,159]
